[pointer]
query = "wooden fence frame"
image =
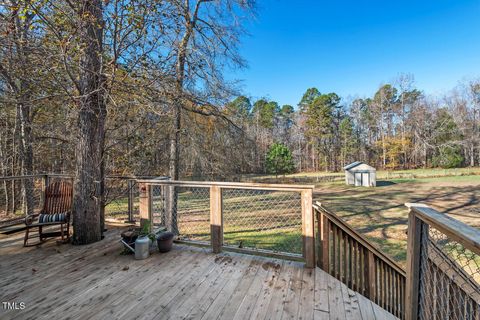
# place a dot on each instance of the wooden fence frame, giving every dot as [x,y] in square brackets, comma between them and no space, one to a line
[421,217]
[216,209]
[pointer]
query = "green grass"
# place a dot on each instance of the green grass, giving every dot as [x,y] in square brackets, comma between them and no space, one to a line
[312,177]
[252,219]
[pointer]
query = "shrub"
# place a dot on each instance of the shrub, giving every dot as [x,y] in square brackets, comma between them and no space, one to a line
[279,159]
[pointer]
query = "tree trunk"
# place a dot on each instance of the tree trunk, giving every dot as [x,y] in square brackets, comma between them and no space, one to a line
[174,168]
[177,113]
[472,154]
[26,155]
[88,199]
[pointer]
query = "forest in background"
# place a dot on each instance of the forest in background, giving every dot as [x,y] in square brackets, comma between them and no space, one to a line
[397,128]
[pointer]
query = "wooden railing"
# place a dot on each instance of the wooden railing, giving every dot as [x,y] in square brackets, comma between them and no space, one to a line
[238,207]
[352,259]
[443,267]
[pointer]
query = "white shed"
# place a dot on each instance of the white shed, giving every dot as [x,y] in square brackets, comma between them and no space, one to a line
[360,174]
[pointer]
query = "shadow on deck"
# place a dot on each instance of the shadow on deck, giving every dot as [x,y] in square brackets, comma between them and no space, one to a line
[96,282]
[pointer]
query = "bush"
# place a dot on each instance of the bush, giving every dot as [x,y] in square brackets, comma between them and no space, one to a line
[449,157]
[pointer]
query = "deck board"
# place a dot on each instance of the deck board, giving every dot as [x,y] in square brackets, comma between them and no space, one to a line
[96,282]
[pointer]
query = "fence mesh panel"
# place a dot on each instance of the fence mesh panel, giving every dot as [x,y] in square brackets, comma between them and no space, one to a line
[263,219]
[449,280]
[19,197]
[117,193]
[190,214]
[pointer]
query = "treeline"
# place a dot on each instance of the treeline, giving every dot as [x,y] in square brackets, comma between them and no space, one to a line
[399,127]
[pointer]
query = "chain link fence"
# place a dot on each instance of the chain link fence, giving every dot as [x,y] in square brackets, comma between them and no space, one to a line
[121,199]
[449,285]
[20,196]
[263,220]
[23,195]
[253,219]
[189,215]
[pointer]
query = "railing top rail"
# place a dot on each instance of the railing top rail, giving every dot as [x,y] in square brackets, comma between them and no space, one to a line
[457,230]
[230,185]
[66,175]
[22,177]
[361,239]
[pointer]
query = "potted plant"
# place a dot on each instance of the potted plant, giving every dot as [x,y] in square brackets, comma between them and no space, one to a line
[165,241]
[145,232]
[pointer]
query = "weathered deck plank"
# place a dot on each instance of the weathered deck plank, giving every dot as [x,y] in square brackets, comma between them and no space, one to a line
[96,282]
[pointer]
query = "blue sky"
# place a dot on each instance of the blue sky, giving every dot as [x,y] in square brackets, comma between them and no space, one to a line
[351,47]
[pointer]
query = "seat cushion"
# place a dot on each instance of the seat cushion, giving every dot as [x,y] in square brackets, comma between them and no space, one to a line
[57,217]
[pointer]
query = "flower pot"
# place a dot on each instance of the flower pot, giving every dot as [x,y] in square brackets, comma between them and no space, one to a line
[165,241]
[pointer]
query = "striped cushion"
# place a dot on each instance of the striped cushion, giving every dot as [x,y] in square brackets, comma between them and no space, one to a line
[57,217]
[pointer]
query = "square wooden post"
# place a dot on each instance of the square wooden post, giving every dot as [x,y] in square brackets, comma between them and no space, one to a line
[414,242]
[45,183]
[308,228]
[145,198]
[216,218]
[370,275]
[325,231]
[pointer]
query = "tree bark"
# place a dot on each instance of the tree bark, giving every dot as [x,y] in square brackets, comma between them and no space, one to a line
[88,199]
[26,155]
[177,113]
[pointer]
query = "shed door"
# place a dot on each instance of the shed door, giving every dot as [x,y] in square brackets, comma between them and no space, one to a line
[358,179]
[365,179]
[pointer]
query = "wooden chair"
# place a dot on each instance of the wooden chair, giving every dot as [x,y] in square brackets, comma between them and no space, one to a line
[56,210]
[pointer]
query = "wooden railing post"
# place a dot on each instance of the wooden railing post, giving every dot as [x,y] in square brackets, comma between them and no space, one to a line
[216,218]
[413,265]
[145,203]
[308,223]
[45,183]
[167,206]
[131,197]
[324,249]
[370,278]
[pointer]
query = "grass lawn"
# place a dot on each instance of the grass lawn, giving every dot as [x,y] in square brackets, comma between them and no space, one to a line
[381,174]
[380,214]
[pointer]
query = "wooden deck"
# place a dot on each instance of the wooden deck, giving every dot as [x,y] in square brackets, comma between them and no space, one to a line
[96,282]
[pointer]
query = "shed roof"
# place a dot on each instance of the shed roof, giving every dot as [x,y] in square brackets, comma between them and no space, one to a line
[359,165]
[352,165]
